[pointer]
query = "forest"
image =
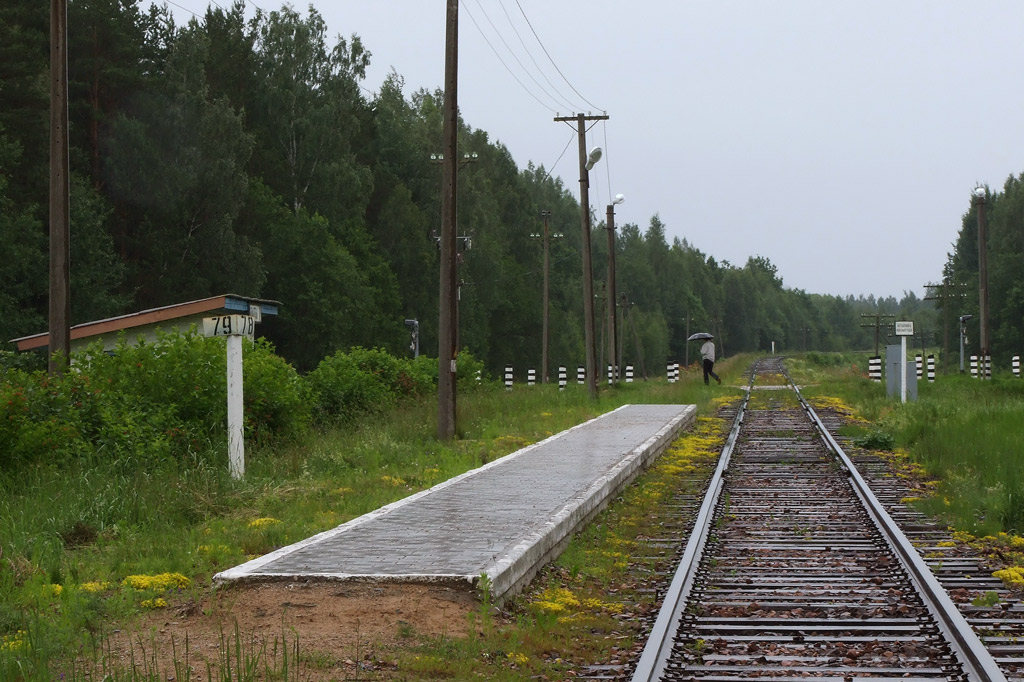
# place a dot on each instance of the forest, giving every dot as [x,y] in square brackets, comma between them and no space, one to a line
[243,155]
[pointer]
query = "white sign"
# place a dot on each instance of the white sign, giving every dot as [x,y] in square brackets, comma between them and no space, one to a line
[905,328]
[229,325]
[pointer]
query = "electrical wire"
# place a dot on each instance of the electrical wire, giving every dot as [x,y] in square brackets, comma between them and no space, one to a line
[548,54]
[186,9]
[529,53]
[465,6]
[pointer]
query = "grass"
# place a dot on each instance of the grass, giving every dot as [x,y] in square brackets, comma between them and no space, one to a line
[70,536]
[963,431]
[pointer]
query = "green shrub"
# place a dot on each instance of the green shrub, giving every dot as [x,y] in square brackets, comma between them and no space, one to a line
[148,401]
[341,388]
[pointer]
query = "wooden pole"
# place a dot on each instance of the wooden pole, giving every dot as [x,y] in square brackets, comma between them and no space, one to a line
[447,318]
[60,231]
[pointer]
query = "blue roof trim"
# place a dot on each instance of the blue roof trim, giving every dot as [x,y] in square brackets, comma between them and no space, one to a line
[242,305]
[236,304]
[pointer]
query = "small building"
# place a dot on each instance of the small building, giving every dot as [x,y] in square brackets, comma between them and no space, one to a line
[179,317]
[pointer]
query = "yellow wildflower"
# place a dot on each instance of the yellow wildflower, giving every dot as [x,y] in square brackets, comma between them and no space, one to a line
[163,581]
[264,522]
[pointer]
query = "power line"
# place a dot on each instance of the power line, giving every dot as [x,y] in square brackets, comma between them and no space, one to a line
[489,44]
[552,60]
[529,53]
[186,9]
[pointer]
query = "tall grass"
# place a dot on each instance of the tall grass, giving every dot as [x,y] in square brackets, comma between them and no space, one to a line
[965,432]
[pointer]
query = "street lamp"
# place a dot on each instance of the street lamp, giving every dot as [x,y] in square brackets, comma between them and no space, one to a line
[613,357]
[963,338]
[586,163]
[546,236]
[979,201]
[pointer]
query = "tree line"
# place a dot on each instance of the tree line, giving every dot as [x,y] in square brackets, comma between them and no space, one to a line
[244,156]
[957,293]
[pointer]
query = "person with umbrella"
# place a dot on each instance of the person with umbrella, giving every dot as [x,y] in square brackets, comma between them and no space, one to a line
[707,351]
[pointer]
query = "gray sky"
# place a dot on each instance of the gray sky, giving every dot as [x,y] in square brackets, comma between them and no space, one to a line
[840,140]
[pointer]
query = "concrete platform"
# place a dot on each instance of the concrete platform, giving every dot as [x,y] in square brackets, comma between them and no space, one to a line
[505,519]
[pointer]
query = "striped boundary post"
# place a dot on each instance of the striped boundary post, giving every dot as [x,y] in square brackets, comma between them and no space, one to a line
[609,375]
[629,374]
[531,377]
[1015,366]
[670,373]
[562,377]
[919,363]
[974,366]
[988,366]
[581,375]
[875,368]
[931,369]
[508,378]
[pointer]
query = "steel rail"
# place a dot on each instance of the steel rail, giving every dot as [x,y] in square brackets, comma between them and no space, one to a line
[976,660]
[658,649]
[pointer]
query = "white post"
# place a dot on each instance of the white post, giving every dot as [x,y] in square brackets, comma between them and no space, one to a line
[773,348]
[903,369]
[236,447]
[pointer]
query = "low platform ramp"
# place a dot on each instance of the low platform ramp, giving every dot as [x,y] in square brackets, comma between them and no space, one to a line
[504,520]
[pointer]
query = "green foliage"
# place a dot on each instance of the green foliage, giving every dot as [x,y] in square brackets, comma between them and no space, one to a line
[360,381]
[159,400]
[876,440]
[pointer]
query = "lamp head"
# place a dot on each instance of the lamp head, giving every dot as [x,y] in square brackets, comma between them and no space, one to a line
[618,199]
[979,192]
[595,156]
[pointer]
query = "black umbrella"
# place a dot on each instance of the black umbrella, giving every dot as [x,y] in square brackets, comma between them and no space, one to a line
[700,336]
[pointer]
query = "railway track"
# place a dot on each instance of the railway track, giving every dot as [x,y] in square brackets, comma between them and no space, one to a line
[794,570]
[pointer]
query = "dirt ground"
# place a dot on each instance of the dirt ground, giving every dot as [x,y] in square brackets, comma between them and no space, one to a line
[345,630]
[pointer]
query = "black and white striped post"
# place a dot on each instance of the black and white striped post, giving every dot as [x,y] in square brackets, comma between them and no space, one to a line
[609,375]
[531,377]
[931,369]
[629,374]
[670,372]
[875,368]
[919,363]
[988,366]
[508,378]
[1015,366]
[581,375]
[974,366]
[562,374]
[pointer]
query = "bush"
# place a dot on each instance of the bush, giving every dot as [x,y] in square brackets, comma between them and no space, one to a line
[148,401]
[341,388]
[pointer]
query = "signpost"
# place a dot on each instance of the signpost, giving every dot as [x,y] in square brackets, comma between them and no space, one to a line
[233,328]
[903,330]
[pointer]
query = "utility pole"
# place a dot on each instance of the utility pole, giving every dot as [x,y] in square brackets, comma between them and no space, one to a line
[588,272]
[447,328]
[687,346]
[877,324]
[944,293]
[60,226]
[612,308]
[546,236]
[979,200]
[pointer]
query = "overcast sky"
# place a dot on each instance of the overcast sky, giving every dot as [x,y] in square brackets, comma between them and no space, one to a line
[840,140]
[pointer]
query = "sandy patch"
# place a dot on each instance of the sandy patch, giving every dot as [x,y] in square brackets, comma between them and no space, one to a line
[341,626]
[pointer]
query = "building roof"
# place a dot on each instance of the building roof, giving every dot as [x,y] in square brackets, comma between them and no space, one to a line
[229,302]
